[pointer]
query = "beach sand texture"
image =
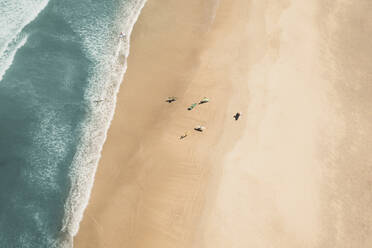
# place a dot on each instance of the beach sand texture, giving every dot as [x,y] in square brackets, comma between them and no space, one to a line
[294,171]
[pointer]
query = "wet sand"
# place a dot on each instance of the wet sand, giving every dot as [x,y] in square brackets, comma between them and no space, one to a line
[294,171]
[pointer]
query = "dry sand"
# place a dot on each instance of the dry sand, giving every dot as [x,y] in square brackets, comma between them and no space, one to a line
[294,171]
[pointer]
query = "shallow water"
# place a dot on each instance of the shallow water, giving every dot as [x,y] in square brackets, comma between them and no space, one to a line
[56,59]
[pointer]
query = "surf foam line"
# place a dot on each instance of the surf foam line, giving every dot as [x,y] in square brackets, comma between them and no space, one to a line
[95,129]
[7,57]
[14,16]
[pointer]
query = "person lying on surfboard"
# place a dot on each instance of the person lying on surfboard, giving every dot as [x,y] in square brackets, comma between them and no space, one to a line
[199,128]
[171,99]
[192,106]
[204,100]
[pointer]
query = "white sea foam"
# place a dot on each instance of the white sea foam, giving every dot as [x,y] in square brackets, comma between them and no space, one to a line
[105,85]
[7,56]
[14,16]
[50,137]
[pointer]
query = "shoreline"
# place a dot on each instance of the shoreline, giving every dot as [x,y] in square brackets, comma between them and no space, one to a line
[94,136]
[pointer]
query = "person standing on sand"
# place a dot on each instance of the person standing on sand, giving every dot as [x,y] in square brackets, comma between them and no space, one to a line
[237,115]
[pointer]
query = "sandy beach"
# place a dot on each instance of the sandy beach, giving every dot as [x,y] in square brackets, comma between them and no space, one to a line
[294,171]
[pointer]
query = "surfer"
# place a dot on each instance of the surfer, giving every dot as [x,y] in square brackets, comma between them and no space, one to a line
[199,128]
[122,35]
[204,100]
[184,136]
[236,116]
[98,101]
[192,106]
[171,99]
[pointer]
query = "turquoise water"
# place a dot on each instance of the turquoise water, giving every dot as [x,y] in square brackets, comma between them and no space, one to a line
[57,58]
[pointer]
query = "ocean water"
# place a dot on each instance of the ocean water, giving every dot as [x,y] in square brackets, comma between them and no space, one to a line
[61,64]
